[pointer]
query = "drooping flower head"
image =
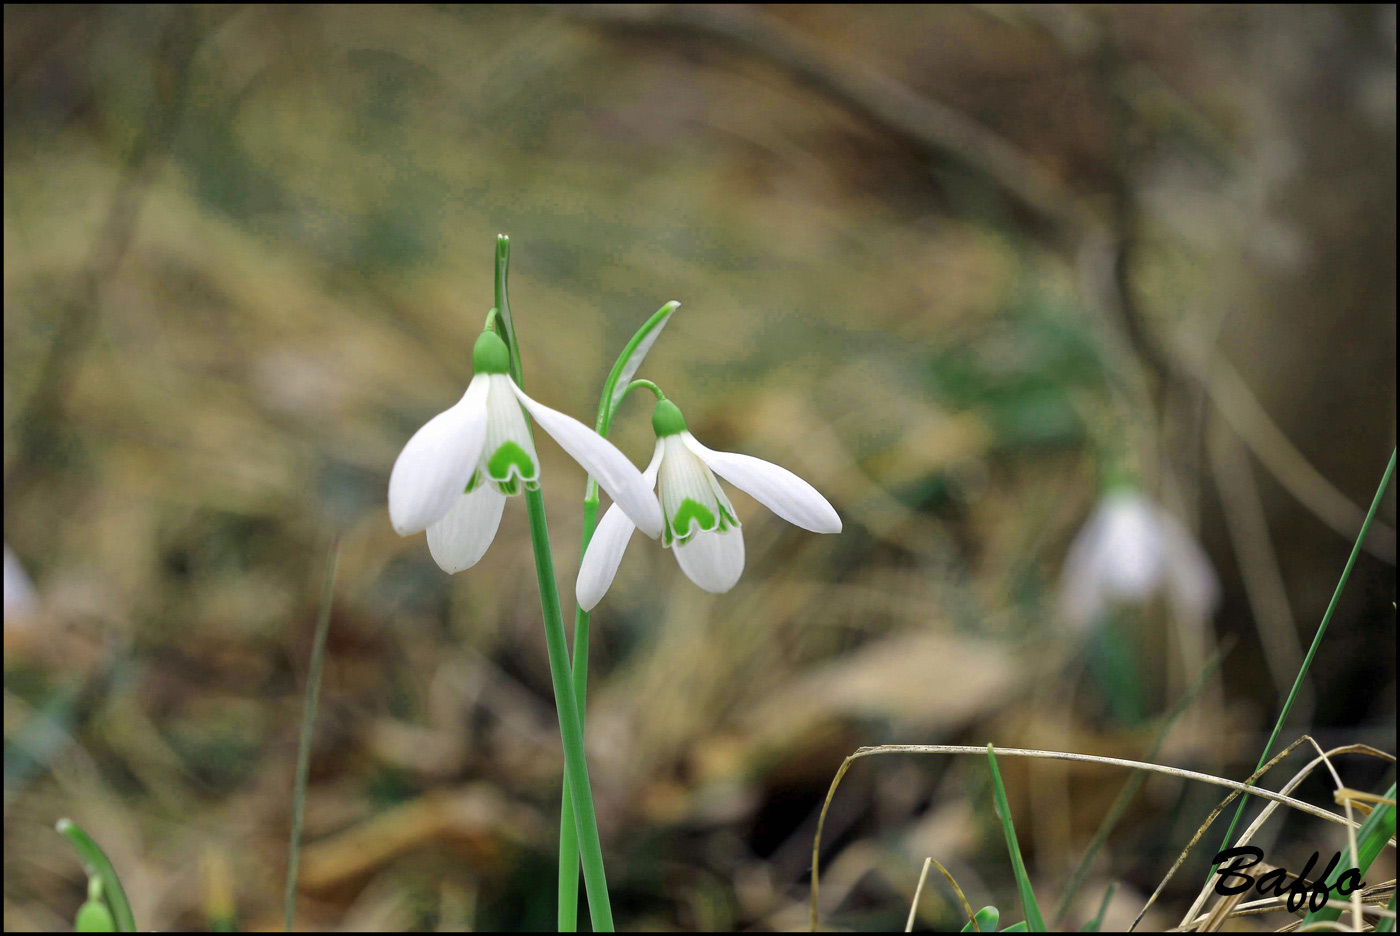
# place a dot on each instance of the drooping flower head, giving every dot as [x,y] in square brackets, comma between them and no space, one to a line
[1128,551]
[700,525]
[453,477]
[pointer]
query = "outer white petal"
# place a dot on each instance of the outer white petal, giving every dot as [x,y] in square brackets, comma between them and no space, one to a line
[713,560]
[434,467]
[600,458]
[1081,591]
[1131,561]
[605,549]
[774,487]
[603,556]
[460,539]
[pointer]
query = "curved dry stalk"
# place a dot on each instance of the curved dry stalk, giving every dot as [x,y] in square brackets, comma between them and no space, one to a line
[1234,785]
[1199,904]
[1372,902]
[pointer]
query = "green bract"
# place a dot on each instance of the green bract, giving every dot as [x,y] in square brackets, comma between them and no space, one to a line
[666,419]
[490,355]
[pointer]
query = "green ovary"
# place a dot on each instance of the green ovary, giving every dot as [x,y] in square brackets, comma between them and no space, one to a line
[510,455]
[691,510]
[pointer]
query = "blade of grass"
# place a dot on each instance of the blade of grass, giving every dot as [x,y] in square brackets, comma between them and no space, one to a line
[1312,650]
[308,722]
[1375,832]
[560,670]
[1018,867]
[1094,925]
[983,921]
[814,900]
[97,865]
[1131,787]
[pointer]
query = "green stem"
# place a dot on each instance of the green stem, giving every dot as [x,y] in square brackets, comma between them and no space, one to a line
[308,721]
[1312,651]
[565,700]
[568,837]
[607,407]
[98,865]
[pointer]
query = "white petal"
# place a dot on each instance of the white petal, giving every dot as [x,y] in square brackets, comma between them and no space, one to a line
[774,487]
[603,556]
[1131,560]
[434,467]
[714,561]
[1081,592]
[614,473]
[460,539]
[605,549]
[507,441]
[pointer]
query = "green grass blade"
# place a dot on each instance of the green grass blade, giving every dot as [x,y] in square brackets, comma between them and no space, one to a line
[1018,928]
[98,866]
[1034,921]
[308,722]
[1371,838]
[1093,925]
[986,919]
[1312,650]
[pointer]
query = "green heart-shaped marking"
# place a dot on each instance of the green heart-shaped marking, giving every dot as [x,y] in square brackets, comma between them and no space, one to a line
[509,455]
[691,510]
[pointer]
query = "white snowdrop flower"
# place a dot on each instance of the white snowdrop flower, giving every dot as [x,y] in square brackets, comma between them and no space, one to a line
[20,598]
[453,477]
[1127,552]
[700,524]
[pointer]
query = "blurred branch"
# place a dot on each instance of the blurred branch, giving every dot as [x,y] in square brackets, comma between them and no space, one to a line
[34,427]
[1243,411]
[932,128]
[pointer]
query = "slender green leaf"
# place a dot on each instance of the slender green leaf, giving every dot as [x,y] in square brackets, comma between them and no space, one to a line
[1018,928]
[1093,925]
[1371,838]
[1312,650]
[986,920]
[98,866]
[1018,867]
[631,358]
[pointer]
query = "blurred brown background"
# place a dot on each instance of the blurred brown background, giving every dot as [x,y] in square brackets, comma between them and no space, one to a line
[947,263]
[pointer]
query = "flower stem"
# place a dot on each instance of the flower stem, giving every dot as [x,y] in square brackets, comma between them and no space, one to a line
[568,836]
[627,363]
[570,723]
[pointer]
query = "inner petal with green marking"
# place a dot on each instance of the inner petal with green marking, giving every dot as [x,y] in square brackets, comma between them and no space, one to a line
[690,510]
[510,459]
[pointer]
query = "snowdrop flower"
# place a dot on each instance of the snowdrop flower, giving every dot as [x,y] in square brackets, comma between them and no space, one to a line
[700,525]
[454,475]
[1128,551]
[19,590]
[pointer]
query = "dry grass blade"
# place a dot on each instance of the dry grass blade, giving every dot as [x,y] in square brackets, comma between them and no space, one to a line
[967,907]
[1268,810]
[1223,910]
[1234,785]
[1206,825]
